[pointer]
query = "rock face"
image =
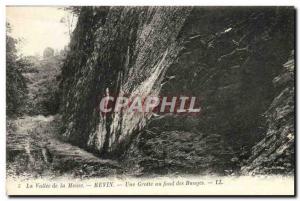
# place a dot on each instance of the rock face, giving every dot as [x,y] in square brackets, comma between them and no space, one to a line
[119,50]
[228,57]
[275,152]
[171,146]
[231,66]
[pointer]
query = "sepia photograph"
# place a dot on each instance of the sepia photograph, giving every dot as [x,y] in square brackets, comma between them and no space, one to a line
[150,100]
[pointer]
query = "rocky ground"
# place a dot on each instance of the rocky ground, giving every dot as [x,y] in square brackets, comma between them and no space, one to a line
[29,136]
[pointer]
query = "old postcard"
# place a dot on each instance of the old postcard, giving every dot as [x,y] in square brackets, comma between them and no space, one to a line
[139,100]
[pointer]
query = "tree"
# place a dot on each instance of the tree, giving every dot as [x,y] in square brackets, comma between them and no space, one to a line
[70,19]
[16,89]
[48,52]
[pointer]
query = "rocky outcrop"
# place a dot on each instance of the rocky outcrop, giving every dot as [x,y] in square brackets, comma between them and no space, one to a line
[231,66]
[275,152]
[228,57]
[171,146]
[118,50]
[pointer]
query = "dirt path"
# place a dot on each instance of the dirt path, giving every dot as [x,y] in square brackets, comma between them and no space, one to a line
[28,136]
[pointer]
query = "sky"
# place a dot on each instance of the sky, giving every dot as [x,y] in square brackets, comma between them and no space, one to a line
[38,28]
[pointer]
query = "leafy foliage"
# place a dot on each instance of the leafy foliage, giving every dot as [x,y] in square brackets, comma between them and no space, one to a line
[43,79]
[16,89]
